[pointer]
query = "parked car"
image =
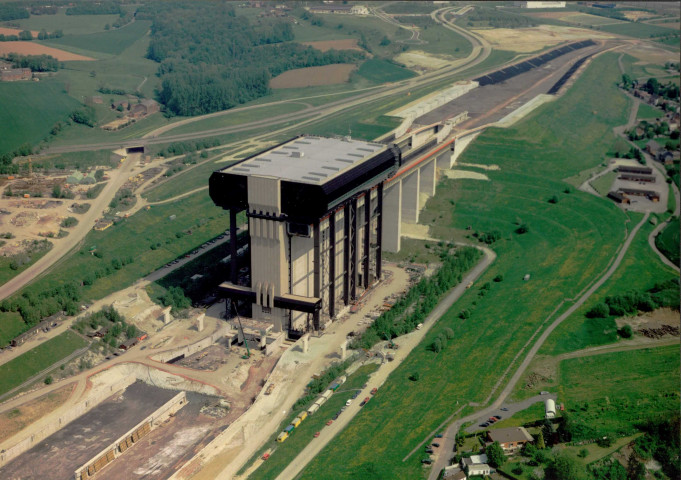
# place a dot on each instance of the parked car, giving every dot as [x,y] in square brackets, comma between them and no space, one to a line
[427,461]
[498,417]
[329,422]
[316,434]
[486,424]
[364,402]
[504,409]
[439,435]
[266,456]
[435,444]
[347,404]
[429,450]
[374,390]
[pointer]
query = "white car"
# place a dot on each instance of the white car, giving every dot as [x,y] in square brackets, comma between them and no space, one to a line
[347,404]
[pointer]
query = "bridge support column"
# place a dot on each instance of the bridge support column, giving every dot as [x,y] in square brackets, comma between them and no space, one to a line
[428,180]
[410,197]
[391,219]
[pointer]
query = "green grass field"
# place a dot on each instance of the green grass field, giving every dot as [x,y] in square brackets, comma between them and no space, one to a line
[20,369]
[612,392]
[112,42]
[568,245]
[603,183]
[30,110]
[379,70]
[646,112]
[77,160]
[237,118]
[637,30]
[668,241]
[640,269]
[11,325]
[69,24]
[587,19]
[284,453]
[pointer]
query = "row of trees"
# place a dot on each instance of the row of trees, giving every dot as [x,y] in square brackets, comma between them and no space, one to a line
[663,294]
[26,35]
[110,318]
[37,63]
[415,306]
[212,60]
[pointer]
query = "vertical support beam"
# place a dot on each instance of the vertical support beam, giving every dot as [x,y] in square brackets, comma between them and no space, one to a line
[352,264]
[332,264]
[232,246]
[367,238]
[379,229]
[410,197]
[317,272]
[427,179]
[346,254]
[392,218]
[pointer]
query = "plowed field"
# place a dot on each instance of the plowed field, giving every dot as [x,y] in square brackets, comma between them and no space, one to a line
[31,48]
[313,76]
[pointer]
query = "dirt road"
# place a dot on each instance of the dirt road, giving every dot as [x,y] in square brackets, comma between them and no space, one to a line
[450,435]
[117,178]
[407,344]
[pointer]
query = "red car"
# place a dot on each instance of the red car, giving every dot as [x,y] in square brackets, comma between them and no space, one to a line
[329,422]
[364,402]
[266,456]
[374,390]
[316,434]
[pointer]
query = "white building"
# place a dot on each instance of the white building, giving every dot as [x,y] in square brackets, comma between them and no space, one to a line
[550,408]
[476,465]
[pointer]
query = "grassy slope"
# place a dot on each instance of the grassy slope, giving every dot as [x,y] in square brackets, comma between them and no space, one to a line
[112,42]
[11,325]
[378,70]
[646,112]
[668,241]
[603,183]
[30,109]
[20,369]
[569,245]
[637,30]
[621,388]
[640,269]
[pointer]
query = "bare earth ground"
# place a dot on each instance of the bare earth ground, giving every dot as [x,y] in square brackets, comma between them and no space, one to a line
[536,38]
[325,45]
[30,48]
[422,61]
[636,15]
[313,76]
[12,421]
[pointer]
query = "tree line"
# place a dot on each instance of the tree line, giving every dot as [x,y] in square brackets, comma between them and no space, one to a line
[26,35]
[416,305]
[212,60]
[12,11]
[95,8]
[37,63]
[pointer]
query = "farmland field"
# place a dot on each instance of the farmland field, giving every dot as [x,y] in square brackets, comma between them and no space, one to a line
[567,246]
[637,30]
[382,71]
[23,367]
[34,48]
[313,76]
[69,24]
[30,109]
[111,42]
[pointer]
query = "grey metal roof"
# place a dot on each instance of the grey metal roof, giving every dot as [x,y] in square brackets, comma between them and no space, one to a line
[308,159]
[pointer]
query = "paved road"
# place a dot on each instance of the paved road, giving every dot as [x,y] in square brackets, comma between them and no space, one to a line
[407,344]
[85,223]
[450,435]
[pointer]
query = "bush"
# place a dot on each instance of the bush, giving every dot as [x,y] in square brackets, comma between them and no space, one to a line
[48,380]
[499,278]
[553,199]
[626,331]
[414,377]
[69,222]
[522,229]
[600,310]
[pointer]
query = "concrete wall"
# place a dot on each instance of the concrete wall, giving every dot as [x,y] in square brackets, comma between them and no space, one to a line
[392,218]
[95,398]
[120,445]
[164,357]
[410,196]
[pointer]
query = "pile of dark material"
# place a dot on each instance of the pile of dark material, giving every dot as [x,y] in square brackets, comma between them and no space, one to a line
[659,332]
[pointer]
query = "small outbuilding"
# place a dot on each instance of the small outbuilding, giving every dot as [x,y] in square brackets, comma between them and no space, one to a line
[550,405]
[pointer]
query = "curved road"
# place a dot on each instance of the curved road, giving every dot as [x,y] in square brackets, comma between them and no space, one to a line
[450,434]
[85,223]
